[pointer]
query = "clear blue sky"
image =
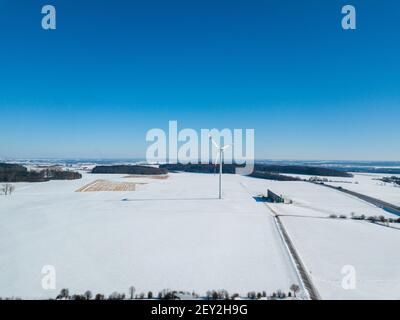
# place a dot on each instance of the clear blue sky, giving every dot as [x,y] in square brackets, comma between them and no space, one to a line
[114,69]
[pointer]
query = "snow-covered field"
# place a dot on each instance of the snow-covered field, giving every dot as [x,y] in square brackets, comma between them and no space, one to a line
[365,183]
[314,200]
[170,233]
[326,245]
[175,234]
[333,249]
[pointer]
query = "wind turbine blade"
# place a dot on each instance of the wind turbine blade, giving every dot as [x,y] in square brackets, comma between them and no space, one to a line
[225,147]
[213,142]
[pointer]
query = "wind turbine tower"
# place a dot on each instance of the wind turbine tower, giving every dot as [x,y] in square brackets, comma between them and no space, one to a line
[220,155]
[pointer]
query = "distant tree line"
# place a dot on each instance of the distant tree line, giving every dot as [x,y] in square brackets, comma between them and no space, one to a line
[17,173]
[199,168]
[272,176]
[382,170]
[393,179]
[306,170]
[271,172]
[373,219]
[129,169]
[61,175]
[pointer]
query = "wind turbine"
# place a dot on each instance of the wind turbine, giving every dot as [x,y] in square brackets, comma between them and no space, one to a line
[220,155]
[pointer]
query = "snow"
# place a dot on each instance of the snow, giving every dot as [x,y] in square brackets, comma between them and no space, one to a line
[170,233]
[365,183]
[175,234]
[328,245]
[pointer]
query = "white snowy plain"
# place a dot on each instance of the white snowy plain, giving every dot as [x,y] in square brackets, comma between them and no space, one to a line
[168,234]
[334,251]
[176,234]
[328,246]
[366,183]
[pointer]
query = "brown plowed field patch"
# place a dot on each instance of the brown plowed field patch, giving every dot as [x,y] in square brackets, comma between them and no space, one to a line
[105,185]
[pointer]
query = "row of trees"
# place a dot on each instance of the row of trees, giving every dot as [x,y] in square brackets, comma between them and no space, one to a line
[393,179]
[304,170]
[129,169]
[167,294]
[373,219]
[377,219]
[334,216]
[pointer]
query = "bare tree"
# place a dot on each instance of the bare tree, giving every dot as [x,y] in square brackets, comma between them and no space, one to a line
[64,293]
[295,288]
[132,292]
[99,296]
[7,188]
[116,296]
[88,295]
